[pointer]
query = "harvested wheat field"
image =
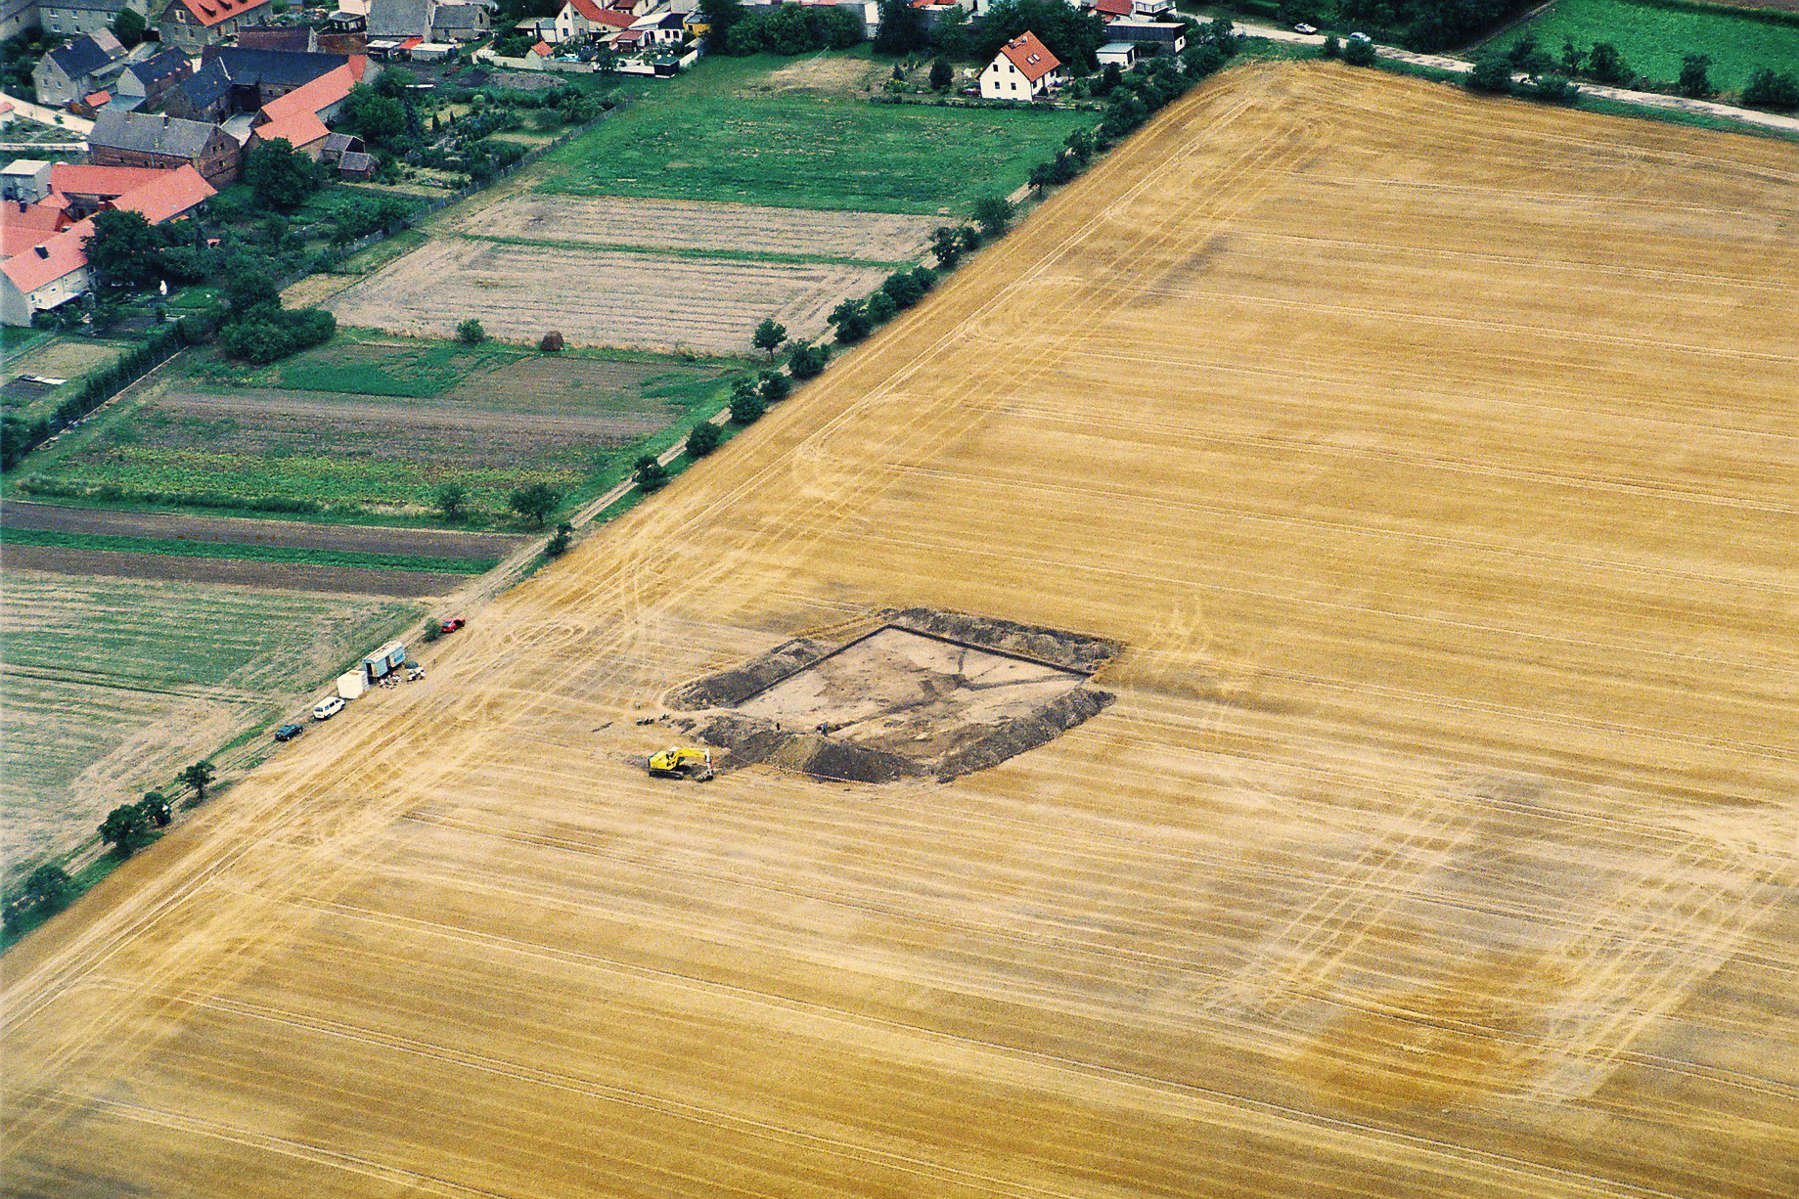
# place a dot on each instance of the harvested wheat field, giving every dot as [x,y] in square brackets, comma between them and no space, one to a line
[1428,464]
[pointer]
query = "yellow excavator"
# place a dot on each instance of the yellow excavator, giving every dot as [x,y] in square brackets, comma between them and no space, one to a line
[682,762]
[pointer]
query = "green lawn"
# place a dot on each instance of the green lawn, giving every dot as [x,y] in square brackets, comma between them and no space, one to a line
[378,366]
[250,553]
[1654,39]
[110,686]
[724,132]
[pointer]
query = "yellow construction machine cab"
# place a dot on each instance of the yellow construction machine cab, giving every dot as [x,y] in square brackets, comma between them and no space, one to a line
[681,761]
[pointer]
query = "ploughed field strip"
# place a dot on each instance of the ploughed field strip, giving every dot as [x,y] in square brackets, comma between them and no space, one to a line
[1428,462]
[519,291]
[697,276]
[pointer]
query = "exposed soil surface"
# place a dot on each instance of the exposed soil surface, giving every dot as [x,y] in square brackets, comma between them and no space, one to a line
[684,224]
[1433,458]
[596,297]
[433,543]
[291,576]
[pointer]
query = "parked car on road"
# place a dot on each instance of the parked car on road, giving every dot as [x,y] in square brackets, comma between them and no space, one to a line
[1304,27]
[288,732]
[451,625]
[326,708]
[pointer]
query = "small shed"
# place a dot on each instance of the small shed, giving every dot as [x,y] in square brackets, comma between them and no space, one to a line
[26,180]
[384,661]
[433,52]
[355,165]
[1122,55]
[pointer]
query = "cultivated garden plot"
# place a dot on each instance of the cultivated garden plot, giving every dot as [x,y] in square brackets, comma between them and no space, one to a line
[788,233]
[598,298]
[1438,841]
[489,418]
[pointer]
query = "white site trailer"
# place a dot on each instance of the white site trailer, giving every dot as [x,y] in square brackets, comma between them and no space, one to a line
[384,661]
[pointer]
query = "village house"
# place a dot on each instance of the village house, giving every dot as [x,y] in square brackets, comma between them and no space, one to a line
[461,22]
[1024,69]
[193,24]
[582,19]
[68,17]
[232,79]
[131,139]
[25,180]
[659,29]
[301,39]
[1149,37]
[46,260]
[72,71]
[299,116]
[144,84]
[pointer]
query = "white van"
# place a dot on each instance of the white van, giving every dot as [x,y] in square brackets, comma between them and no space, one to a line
[326,708]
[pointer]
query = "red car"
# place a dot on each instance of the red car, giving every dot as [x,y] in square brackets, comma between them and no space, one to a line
[451,625]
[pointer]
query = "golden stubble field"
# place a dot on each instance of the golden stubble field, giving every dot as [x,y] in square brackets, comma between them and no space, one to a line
[1432,459]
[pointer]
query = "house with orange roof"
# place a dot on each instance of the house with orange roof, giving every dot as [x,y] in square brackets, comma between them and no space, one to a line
[46,267]
[581,19]
[45,276]
[192,24]
[299,116]
[1024,69]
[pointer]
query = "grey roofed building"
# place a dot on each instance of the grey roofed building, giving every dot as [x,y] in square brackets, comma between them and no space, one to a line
[140,133]
[204,95]
[460,22]
[282,70]
[155,69]
[83,16]
[400,18]
[86,54]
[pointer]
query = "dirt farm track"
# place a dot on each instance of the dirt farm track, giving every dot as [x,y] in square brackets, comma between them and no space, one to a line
[1431,460]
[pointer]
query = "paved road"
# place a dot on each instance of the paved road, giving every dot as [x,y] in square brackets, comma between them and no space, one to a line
[1748,116]
[48,116]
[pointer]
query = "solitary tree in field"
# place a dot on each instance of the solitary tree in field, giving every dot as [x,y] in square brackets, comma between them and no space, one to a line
[470,332]
[770,335]
[198,776]
[535,502]
[126,829]
[1695,78]
[452,501]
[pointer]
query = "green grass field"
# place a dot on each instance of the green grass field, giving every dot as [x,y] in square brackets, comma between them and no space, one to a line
[372,427]
[730,130]
[1654,39]
[110,686]
[245,553]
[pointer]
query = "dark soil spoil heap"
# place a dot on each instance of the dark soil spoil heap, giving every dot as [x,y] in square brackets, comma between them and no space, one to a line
[926,694]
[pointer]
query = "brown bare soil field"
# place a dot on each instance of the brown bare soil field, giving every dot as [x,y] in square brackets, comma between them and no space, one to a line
[436,543]
[596,298]
[1431,460]
[290,576]
[681,224]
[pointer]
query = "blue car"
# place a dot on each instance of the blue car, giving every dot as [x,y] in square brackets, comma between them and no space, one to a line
[288,732]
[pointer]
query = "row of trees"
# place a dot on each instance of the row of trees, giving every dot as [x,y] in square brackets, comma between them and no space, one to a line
[1604,63]
[126,829]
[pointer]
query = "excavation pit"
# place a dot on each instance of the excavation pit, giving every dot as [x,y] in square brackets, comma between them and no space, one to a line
[925,693]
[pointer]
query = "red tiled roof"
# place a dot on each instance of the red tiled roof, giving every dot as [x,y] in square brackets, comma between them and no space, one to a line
[299,129]
[1030,56]
[586,8]
[16,239]
[47,216]
[211,12]
[1113,8]
[541,49]
[318,95]
[168,196]
[410,42]
[617,18]
[78,179]
[62,255]
[96,99]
